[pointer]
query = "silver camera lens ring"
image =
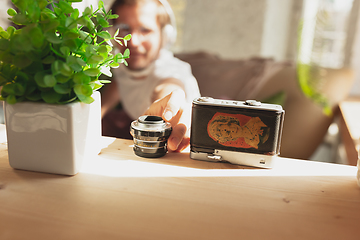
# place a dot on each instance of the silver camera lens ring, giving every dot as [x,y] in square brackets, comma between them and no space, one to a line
[150,135]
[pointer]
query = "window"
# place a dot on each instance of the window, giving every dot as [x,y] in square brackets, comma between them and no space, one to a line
[324,32]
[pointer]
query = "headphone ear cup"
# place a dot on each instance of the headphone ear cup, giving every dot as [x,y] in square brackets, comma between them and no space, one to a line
[168,35]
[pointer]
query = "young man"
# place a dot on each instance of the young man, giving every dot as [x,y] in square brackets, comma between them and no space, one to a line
[154,83]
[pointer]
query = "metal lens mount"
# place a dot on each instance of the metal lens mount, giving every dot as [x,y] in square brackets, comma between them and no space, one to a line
[150,135]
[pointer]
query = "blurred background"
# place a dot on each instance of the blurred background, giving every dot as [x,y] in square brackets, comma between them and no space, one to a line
[322,33]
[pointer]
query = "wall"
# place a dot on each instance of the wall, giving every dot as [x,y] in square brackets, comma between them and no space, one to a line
[240,28]
[355,55]
[276,29]
[4,22]
[231,28]
[81,5]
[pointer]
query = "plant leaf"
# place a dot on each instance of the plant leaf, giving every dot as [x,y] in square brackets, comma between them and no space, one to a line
[19,89]
[66,70]
[92,72]
[70,35]
[87,11]
[42,4]
[4,34]
[101,4]
[109,43]
[50,96]
[97,86]
[51,25]
[35,96]
[56,66]
[73,63]
[95,59]
[126,53]
[22,60]
[11,99]
[50,80]
[65,50]
[127,37]
[39,79]
[102,21]
[48,60]
[85,99]
[83,90]
[106,71]
[12,12]
[81,78]
[62,79]
[70,21]
[105,35]
[118,41]
[34,12]
[4,44]
[85,36]
[62,88]
[65,7]
[104,81]
[81,62]
[52,37]
[89,23]
[113,16]
[9,89]
[116,32]
[11,30]
[19,19]
[114,65]
[75,14]
[102,49]
[71,44]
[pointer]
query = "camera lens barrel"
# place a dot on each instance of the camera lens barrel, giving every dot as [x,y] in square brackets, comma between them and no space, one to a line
[150,134]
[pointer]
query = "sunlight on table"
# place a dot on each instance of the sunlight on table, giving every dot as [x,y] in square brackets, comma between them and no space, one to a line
[127,164]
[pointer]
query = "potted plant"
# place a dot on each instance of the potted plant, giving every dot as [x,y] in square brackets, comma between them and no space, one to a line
[49,73]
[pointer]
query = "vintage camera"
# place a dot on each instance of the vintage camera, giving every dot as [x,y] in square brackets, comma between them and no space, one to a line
[150,135]
[244,133]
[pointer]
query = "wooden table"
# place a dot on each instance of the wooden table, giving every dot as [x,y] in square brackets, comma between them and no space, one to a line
[118,195]
[350,128]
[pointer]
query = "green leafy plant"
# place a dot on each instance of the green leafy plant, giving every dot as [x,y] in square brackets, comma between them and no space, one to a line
[309,78]
[56,56]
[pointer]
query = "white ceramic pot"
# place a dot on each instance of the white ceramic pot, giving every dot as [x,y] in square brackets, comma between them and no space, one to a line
[52,138]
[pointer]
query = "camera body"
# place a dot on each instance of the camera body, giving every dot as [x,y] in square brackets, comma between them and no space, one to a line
[244,133]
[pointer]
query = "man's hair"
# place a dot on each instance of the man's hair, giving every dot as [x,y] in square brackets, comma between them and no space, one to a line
[162,14]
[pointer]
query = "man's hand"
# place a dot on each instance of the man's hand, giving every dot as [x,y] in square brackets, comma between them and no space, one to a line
[174,109]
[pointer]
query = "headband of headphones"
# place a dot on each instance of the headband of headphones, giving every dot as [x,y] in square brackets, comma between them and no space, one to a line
[170,30]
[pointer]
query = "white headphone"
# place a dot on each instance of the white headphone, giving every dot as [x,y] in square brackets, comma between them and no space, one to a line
[169,30]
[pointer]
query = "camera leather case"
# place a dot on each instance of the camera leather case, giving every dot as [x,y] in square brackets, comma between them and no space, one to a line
[239,132]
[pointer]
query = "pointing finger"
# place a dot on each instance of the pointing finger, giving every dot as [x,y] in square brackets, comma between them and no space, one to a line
[177,98]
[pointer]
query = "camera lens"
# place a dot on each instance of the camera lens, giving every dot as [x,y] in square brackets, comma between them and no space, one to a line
[150,135]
